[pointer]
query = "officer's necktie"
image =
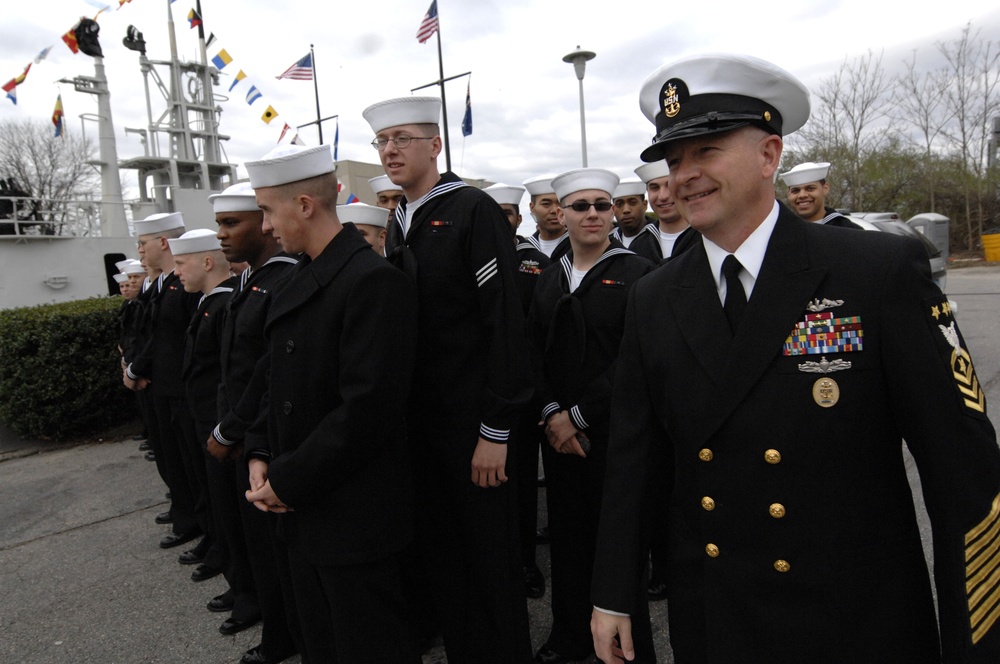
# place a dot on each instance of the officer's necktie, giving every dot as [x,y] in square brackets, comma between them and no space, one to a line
[736,297]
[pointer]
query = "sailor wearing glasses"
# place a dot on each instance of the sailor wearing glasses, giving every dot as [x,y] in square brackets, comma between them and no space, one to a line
[467,392]
[575,326]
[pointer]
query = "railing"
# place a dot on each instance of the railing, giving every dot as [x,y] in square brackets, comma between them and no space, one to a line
[25,217]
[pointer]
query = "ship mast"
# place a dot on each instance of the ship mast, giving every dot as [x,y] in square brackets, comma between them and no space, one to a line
[193,159]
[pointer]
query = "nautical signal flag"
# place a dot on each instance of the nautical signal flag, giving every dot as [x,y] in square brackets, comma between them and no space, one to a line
[467,118]
[301,70]
[10,87]
[283,131]
[70,39]
[194,19]
[42,54]
[353,199]
[57,116]
[239,77]
[253,94]
[429,25]
[222,59]
[269,115]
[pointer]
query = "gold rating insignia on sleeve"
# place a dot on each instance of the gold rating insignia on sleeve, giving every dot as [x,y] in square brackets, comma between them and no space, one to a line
[982,572]
[965,375]
[936,312]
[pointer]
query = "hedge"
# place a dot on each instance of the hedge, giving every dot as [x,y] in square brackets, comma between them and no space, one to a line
[60,375]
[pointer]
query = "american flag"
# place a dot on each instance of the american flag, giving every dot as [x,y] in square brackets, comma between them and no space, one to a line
[429,25]
[301,70]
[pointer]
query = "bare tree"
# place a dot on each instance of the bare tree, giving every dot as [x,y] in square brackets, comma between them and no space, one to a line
[973,97]
[851,122]
[921,104]
[50,175]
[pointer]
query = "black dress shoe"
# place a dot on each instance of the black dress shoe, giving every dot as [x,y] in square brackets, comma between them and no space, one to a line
[144,446]
[176,539]
[150,456]
[547,655]
[256,656]
[192,557]
[534,582]
[232,626]
[204,573]
[220,604]
[164,517]
[656,591]
[542,535]
[139,436]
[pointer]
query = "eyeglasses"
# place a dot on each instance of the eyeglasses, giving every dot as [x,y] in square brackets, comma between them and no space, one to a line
[583,206]
[400,141]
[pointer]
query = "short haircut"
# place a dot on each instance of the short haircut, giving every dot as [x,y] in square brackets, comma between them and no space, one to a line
[322,189]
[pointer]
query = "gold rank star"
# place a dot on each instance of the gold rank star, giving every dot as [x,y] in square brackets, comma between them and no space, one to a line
[946,308]
[935,312]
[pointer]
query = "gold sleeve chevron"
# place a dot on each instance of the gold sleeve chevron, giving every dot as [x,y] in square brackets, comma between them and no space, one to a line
[982,572]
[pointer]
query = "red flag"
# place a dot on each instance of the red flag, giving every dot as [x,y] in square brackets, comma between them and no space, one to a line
[283,130]
[70,39]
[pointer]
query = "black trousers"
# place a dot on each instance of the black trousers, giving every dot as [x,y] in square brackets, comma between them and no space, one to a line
[469,560]
[529,439]
[225,499]
[353,614]
[574,490]
[280,635]
[183,496]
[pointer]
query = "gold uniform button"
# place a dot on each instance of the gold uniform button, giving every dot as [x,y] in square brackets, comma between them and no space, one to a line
[712,550]
[777,510]
[782,566]
[772,456]
[705,454]
[708,504]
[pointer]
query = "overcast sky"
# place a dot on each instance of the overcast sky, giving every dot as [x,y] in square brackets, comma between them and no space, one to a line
[524,97]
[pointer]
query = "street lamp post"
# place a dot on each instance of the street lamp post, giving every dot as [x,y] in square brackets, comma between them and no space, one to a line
[579,60]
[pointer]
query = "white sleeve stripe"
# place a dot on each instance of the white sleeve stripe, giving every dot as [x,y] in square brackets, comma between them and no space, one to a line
[486,277]
[217,434]
[490,265]
[548,410]
[496,434]
[577,418]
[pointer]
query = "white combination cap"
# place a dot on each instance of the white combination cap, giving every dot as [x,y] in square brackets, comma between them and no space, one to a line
[707,94]
[236,198]
[290,163]
[359,213]
[540,184]
[383,183]
[653,171]
[159,223]
[807,172]
[403,111]
[195,242]
[630,187]
[505,194]
[584,178]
